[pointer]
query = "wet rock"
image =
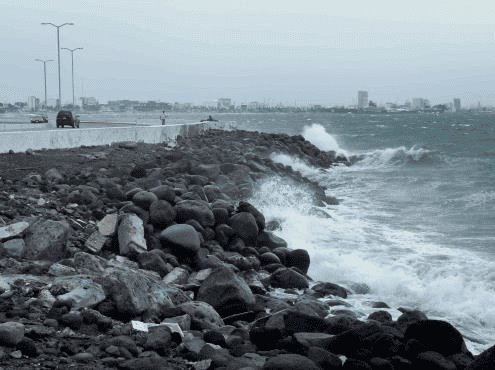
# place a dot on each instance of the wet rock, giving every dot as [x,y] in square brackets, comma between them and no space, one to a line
[182,238]
[436,335]
[226,292]
[13,230]
[325,289]
[131,235]
[324,359]
[46,239]
[431,360]
[381,316]
[306,340]
[354,364]
[270,240]
[244,225]
[408,317]
[11,333]
[268,257]
[258,216]
[162,214]
[288,278]
[144,199]
[203,315]
[210,171]
[290,362]
[164,192]
[298,258]
[484,361]
[72,320]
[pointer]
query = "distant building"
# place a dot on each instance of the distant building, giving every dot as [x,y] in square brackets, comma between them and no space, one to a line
[362,99]
[52,103]
[457,104]
[89,102]
[419,103]
[224,103]
[33,103]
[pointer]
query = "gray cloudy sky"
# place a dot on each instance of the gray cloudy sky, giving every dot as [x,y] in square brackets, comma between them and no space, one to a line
[314,51]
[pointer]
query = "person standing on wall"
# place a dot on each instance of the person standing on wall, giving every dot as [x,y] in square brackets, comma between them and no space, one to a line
[163,116]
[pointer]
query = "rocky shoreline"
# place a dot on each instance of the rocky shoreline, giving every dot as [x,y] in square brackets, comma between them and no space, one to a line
[150,257]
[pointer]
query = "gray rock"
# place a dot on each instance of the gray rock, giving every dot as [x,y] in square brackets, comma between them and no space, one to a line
[11,333]
[46,239]
[177,276]
[13,230]
[433,360]
[144,199]
[290,362]
[58,269]
[213,193]
[197,210]
[226,292]
[162,214]
[203,315]
[211,171]
[131,235]
[13,247]
[244,225]
[184,239]
[312,339]
[248,207]
[54,176]
[325,289]
[154,262]
[158,339]
[136,291]
[107,226]
[288,278]
[82,291]
[86,263]
[164,192]
[95,242]
[484,361]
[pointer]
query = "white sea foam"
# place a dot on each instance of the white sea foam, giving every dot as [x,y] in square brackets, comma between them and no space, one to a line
[401,267]
[394,156]
[317,135]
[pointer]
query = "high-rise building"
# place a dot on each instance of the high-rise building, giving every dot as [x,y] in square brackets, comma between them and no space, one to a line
[419,103]
[457,104]
[33,103]
[362,99]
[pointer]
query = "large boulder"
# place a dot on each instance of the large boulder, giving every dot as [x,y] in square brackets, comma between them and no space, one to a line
[135,292]
[244,225]
[203,315]
[11,333]
[298,258]
[226,292]
[162,214]
[131,235]
[46,239]
[436,335]
[270,240]
[182,238]
[197,210]
[248,207]
[82,291]
[325,289]
[288,278]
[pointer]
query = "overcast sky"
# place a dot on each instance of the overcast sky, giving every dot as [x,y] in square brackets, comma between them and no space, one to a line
[292,51]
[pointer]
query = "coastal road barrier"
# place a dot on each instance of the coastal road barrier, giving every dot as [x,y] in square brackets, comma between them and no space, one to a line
[20,141]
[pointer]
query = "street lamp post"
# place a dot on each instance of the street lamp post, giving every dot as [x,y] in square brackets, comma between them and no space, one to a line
[44,72]
[72,56]
[58,55]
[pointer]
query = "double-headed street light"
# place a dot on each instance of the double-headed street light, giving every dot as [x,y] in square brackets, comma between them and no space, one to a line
[58,54]
[72,56]
[44,72]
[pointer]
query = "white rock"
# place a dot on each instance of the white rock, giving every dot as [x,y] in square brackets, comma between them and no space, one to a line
[131,235]
[108,224]
[13,230]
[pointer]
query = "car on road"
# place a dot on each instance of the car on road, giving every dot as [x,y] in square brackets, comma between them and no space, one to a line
[66,118]
[39,118]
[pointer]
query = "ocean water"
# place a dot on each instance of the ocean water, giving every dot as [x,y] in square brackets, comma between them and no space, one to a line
[415,226]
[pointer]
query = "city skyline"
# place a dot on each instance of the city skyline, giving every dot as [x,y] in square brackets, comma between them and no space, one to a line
[317,54]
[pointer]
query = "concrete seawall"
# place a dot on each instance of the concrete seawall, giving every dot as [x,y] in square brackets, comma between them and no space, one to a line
[20,141]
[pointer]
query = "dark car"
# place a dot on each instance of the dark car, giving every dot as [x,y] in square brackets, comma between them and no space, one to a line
[66,118]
